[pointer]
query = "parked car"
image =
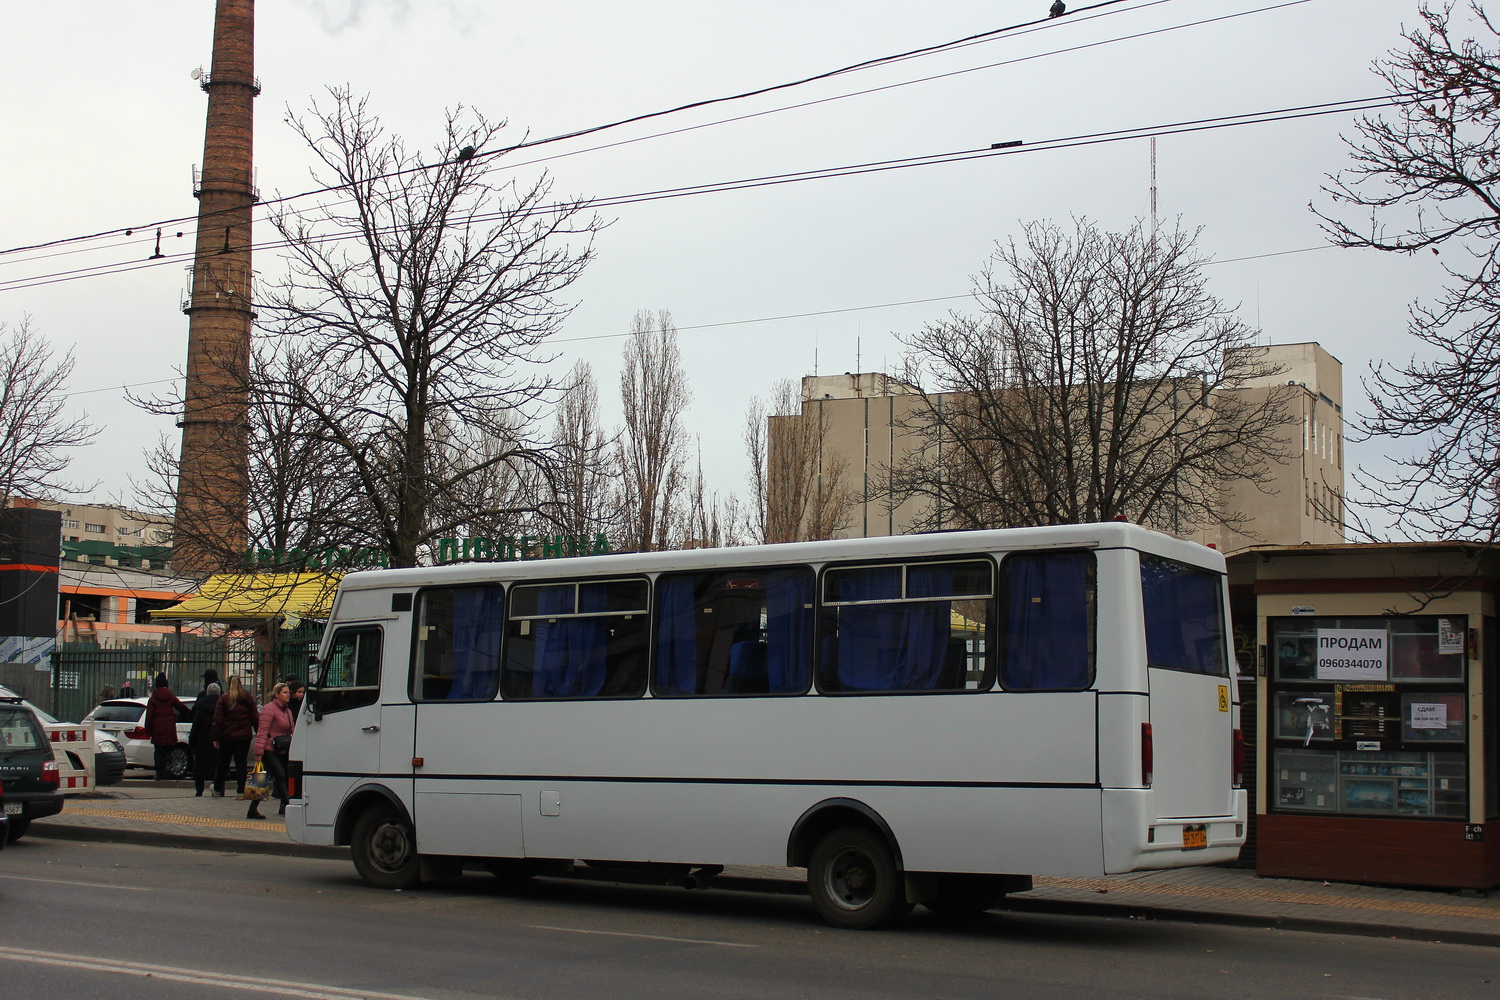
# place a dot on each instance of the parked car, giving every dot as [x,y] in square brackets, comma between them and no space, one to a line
[123,718]
[87,757]
[27,771]
[4,821]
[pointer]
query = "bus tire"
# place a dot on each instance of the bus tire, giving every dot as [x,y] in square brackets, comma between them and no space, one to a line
[384,849]
[854,880]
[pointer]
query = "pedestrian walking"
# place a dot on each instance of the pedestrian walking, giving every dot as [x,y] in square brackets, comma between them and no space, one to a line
[235,721]
[201,736]
[273,742]
[163,709]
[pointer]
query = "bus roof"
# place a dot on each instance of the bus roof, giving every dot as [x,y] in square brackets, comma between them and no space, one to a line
[1107,535]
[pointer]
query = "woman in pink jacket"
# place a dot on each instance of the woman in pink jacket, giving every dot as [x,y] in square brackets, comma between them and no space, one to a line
[273,740]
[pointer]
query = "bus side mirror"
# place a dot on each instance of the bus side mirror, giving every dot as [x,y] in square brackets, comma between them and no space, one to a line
[310,702]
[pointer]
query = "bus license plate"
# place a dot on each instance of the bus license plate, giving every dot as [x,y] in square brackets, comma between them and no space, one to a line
[1194,837]
[13,808]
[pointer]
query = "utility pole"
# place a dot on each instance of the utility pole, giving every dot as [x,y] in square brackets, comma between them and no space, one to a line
[213,469]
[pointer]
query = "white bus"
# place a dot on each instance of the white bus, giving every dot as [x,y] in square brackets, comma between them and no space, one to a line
[920,719]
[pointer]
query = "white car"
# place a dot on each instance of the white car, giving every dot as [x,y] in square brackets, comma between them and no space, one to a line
[87,757]
[123,718]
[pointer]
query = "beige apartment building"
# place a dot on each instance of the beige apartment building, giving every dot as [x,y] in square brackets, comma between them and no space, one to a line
[865,417]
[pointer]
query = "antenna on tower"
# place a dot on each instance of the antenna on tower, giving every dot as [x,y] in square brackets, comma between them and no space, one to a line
[1153,188]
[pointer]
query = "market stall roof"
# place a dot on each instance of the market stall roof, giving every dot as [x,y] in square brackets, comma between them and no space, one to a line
[246,598]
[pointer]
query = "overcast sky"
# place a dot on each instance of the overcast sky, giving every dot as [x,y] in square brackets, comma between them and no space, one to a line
[104,125]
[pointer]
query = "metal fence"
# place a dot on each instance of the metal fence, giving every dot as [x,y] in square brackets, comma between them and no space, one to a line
[81,672]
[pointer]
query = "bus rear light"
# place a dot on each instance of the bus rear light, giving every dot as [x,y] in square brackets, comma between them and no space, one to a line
[50,773]
[1239,758]
[1148,755]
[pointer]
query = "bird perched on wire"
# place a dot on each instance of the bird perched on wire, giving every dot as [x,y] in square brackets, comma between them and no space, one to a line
[467,153]
[1058,9]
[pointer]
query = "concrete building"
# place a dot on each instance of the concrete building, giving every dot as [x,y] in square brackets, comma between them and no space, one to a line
[864,421]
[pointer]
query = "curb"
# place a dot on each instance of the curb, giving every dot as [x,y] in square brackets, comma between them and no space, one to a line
[1312,925]
[187,841]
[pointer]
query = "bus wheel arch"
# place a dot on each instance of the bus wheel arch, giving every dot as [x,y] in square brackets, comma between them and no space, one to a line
[829,815]
[357,803]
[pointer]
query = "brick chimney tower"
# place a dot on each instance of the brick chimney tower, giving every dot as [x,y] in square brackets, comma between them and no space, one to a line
[212,474]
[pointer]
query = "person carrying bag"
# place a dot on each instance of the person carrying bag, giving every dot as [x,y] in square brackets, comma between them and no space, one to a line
[273,742]
[257,787]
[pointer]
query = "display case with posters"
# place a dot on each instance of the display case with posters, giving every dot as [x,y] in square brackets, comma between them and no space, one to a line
[1369,716]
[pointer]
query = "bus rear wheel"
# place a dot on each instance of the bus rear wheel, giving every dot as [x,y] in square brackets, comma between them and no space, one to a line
[384,848]
[854,880]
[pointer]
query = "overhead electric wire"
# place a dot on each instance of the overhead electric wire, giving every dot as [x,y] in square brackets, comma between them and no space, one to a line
[823,173]
[764,319]
[1081,14]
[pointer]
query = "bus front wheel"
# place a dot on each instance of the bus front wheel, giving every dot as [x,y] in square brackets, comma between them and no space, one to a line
[384,848]
[854,880]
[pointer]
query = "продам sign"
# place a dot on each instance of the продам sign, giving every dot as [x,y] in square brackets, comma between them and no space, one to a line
[1352,654]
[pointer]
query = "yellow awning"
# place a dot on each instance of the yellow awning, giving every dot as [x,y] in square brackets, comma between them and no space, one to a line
[244,598]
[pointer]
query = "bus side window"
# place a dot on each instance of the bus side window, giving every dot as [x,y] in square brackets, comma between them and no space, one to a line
[906,627]
[576,640]
[744,631]
[1048,639]
[351,671]
[458,644]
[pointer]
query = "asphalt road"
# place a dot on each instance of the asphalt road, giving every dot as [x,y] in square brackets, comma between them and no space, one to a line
[111,921]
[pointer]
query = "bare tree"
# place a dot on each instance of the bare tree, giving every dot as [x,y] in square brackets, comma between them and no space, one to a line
[1099,380]
[298,499]
[35,432]
[712,521]
[579,495]
[653,449]
[797,486]
[1432,172]
[413,318]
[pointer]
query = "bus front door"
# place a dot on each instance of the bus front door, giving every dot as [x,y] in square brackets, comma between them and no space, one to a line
[338,737]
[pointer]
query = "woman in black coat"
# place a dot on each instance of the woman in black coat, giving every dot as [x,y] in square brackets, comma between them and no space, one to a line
[201,736]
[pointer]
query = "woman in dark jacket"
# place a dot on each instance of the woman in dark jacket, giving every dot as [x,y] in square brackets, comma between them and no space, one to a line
[162,713]
[235,720]
[201,737]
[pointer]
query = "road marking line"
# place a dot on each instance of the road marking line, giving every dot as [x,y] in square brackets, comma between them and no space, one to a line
[648,937]
[91,885]
[275,987]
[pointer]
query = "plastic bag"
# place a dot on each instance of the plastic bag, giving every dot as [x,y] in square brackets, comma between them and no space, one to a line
[257,785]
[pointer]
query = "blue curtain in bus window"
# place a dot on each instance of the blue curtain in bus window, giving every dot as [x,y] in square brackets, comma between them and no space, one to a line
[677,636]
[588,644]
[477,625]
[789,620]
[889,647]
[550,647]
[1047,622]
[1184,622]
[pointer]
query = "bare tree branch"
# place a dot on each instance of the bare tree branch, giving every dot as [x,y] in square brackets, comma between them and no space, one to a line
[1100,380]
[35,432]
[1427,179]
